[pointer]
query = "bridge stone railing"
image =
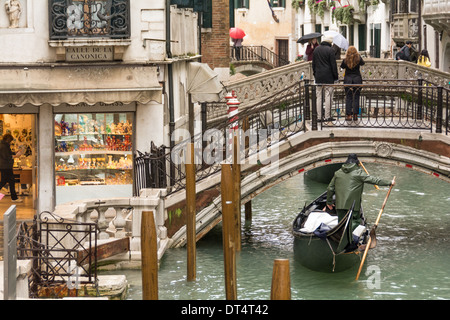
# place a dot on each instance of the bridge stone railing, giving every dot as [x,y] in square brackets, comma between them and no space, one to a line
[259,87]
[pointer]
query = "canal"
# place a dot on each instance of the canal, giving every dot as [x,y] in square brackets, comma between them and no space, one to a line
[410,261]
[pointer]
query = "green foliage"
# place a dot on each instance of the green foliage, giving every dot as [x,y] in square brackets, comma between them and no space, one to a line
[343,14]
[232,69]
[297,3]
[318,7]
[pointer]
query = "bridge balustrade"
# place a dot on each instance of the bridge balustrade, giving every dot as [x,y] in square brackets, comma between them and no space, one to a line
[384,104]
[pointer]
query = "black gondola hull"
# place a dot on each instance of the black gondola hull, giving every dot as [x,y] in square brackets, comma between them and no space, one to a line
[315,254]
[334,250]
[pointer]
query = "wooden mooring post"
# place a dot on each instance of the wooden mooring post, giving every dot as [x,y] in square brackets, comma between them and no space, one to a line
[191,214]
[248,212]
[281,280]
[236,167]
[228,232]
[149,256]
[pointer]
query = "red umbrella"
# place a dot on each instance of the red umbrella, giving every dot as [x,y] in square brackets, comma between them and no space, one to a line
[237,33]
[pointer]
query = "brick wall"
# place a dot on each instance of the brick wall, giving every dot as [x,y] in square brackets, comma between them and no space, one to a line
[216,41]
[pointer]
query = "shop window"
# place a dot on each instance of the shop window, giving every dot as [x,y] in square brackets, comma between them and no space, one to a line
[89,18]
[93,154]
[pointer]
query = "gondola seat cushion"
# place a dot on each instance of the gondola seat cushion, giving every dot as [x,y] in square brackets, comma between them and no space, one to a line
[316,218]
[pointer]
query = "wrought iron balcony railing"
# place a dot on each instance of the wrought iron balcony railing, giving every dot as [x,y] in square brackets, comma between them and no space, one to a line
[89,18]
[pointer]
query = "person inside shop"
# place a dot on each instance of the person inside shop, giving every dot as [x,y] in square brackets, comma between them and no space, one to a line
[347,185]
[6,166]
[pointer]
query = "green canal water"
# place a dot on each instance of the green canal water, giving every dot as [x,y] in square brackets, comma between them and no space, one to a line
[411,260]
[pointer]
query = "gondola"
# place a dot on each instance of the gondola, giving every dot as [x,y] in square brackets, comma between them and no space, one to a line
[321,243]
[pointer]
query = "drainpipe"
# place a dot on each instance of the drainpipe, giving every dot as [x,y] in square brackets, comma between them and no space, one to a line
[170,79]
[170,76]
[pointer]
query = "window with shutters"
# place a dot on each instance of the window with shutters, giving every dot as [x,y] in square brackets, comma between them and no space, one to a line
[202,6]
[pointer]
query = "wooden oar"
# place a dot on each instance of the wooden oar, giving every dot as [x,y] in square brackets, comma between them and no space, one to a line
[373,229]
[376,187]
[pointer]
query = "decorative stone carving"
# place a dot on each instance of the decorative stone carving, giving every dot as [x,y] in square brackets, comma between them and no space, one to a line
[383,149]
[14,10]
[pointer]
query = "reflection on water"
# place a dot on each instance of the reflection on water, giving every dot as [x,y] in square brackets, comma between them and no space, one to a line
[410,262]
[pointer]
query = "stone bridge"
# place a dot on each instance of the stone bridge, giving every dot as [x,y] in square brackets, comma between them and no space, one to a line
[402,122]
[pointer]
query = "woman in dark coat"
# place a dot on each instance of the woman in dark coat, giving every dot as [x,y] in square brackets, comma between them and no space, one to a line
[6,166]
[351,64]
[312,44]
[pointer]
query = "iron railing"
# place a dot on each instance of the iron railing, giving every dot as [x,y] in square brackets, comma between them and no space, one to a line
[89,18]
[63,255]
[257,53]
[400,104]
[383,104]
[150,169]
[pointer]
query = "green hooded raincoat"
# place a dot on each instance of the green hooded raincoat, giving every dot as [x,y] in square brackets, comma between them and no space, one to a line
[348,184]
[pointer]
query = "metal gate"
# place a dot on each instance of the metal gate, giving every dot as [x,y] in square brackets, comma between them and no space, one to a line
[63,255]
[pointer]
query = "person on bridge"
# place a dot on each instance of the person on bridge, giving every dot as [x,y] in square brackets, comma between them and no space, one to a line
[405,52]
[348,184]
[351,64]
[312,44]
[325,72]
[237,45]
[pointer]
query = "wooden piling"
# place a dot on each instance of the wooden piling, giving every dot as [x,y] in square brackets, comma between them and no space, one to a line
[237,190]
[228,232]
[149,256]
[191,214]
[281,280]
[248,212]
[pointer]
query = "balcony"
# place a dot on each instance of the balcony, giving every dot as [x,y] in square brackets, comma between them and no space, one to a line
[406,27]
[436,13]
[89,19]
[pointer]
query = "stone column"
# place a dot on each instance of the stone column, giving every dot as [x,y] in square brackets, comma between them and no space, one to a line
[46,155]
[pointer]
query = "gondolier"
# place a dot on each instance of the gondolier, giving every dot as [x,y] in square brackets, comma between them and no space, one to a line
[347,185]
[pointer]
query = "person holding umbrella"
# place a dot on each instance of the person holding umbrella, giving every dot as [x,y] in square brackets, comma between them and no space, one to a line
[311,39]
[312,44]
[237,36]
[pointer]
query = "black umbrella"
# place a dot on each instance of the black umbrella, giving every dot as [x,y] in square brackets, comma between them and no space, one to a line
[309,36]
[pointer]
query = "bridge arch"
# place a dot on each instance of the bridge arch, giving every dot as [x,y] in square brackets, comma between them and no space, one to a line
[312,149]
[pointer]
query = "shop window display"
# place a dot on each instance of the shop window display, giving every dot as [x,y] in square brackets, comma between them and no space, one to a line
[21,127]
[94,150]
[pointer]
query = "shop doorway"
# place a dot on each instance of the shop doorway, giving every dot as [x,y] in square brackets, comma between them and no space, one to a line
[23,128]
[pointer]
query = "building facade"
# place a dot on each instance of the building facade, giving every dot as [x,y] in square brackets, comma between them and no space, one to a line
[377,28]
[85,84]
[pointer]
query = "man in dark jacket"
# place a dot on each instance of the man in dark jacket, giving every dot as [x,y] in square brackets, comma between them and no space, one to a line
[325,72]
[405,52]
[6,166]
[348,184]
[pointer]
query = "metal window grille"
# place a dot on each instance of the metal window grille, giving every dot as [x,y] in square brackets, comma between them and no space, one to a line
[89,18]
